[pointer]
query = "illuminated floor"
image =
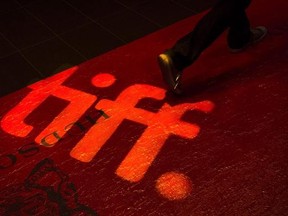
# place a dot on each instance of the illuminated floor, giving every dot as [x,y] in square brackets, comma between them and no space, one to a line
[113,142]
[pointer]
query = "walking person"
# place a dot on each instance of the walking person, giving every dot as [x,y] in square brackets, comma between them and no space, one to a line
[226,14]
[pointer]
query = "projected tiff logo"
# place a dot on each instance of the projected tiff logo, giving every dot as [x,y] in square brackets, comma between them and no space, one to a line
[159,126]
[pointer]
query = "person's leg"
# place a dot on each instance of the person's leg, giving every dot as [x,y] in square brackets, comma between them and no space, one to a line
[226,14]
[239,31]
[188,48]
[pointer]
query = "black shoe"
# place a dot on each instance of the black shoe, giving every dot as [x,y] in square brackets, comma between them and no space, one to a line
[257,34]
[170,74]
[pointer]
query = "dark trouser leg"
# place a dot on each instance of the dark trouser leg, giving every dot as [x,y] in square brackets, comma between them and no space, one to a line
[239,31]
[226,14]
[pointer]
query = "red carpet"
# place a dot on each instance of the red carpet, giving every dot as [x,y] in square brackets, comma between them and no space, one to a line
[113,143]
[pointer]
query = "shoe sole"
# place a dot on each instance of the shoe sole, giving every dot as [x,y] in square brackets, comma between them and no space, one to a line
[165,63]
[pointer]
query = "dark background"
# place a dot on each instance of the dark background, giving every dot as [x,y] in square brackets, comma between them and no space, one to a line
[39,38]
